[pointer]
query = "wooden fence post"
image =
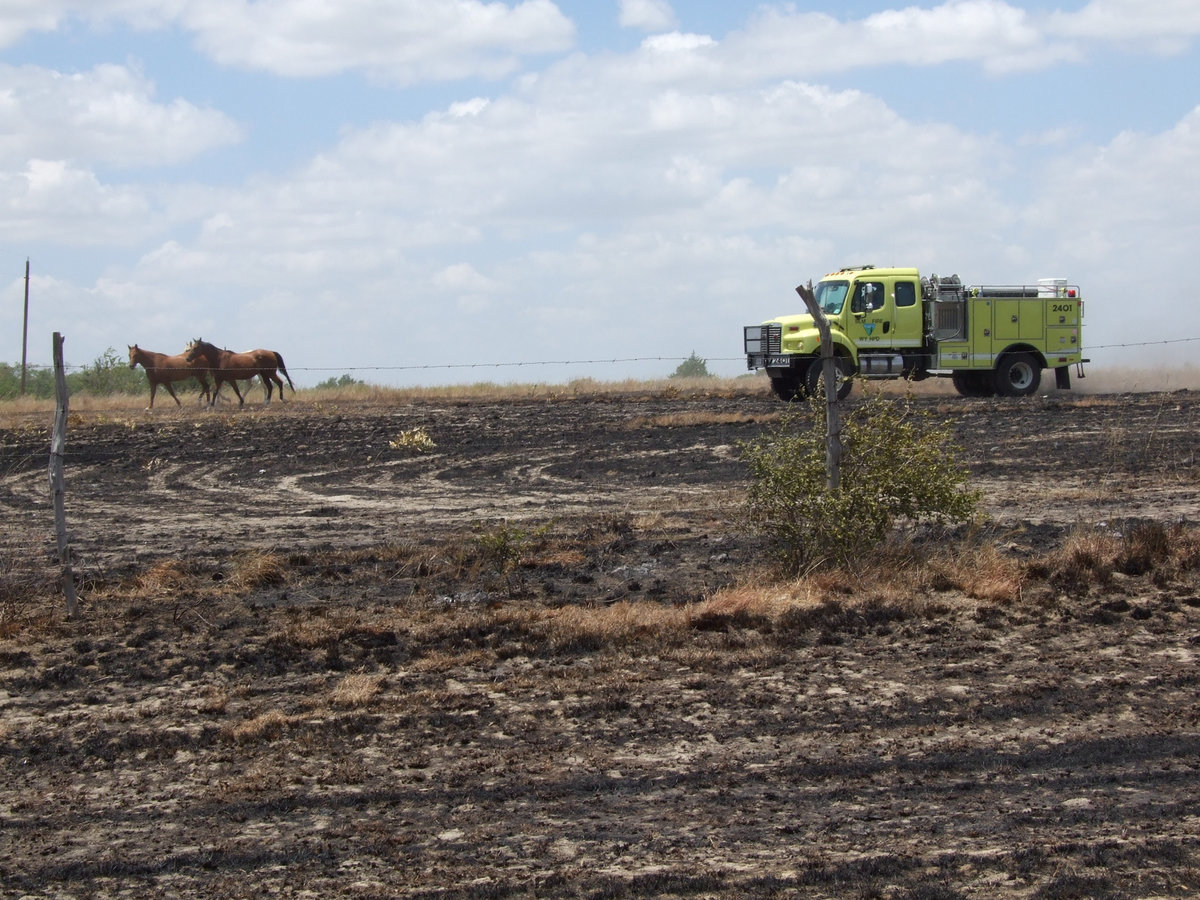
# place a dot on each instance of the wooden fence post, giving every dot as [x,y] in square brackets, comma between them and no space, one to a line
[833,418]
[58,442]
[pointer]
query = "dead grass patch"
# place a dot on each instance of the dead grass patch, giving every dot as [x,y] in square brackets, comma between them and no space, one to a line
[574,627]
[981,571]
[356,690]
[267,726]
[258,569]
[450,660]
[166,577]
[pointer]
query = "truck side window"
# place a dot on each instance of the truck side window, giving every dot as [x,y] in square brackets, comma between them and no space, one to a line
[906,293]
[868,296]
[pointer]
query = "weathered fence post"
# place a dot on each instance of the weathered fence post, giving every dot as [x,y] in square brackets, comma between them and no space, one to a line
[58,442]
[833,419]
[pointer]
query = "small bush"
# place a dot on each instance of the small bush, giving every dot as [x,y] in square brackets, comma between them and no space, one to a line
[346,380]
[503,544]
[897,464]
[692,367]
[415,439]
[108,374]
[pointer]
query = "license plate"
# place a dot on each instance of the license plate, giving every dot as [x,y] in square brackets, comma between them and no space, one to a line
[779,362]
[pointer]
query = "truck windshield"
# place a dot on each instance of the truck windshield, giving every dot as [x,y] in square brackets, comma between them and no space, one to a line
[831,295]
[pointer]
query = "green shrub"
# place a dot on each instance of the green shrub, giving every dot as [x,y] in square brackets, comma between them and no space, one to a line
[39,381]
[108,374]
[897,464]
[345,380]
[692,367]
[503,544]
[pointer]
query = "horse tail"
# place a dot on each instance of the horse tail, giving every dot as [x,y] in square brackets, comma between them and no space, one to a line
[283,369]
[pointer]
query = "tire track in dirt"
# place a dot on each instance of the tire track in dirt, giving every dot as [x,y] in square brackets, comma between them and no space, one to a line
[300,477]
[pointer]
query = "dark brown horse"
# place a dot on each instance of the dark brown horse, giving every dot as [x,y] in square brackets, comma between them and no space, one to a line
[163,369]
[228,367]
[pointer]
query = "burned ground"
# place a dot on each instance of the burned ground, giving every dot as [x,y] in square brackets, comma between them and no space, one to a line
[314,661]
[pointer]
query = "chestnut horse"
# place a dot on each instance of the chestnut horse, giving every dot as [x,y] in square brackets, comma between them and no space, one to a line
[163,369]
[226,366]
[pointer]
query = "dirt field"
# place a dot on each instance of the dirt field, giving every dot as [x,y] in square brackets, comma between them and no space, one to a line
[312,661]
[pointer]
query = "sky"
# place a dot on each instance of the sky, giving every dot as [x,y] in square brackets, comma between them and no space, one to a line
[423,192]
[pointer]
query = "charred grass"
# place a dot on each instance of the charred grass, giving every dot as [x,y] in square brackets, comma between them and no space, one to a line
[444,714]
[503,589]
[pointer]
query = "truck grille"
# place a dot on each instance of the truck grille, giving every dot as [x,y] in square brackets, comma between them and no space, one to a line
[762,340]
[770,338]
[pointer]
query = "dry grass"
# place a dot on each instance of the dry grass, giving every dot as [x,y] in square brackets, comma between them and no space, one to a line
[356,690]
[266,726]
[131,408]
[981,571]
[164,579]
[574,627]
[257,569]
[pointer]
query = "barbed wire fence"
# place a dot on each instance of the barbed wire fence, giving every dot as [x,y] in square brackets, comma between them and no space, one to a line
[599,361]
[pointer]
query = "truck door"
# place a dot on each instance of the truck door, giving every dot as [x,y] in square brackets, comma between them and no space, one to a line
[909,325]
[871,318]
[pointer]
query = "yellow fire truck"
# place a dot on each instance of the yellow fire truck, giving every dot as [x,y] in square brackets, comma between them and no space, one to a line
[894,323]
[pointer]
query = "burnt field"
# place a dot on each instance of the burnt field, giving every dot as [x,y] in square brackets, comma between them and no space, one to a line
[541,656]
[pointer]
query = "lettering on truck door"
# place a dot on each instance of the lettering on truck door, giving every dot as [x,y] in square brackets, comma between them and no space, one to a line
[871,315]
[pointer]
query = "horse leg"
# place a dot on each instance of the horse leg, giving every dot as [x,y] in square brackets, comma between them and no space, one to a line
[267,385]
[153,388]
[233,384]
[171,391]
[279,382]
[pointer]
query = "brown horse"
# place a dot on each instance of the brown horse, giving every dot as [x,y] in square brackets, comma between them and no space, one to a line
[226,366]
[163,369]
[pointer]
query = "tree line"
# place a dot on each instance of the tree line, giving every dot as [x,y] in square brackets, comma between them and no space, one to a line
[108,374]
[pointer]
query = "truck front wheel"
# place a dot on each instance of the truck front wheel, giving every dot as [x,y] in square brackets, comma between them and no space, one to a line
[788,387]
[812,378]
[1018,375]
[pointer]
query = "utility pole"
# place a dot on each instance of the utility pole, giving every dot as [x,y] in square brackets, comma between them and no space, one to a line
[25,327]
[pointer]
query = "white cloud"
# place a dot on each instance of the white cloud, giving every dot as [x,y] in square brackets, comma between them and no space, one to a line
[647,15]
[401,42]
[53,200]
[106,115]
[1168,26]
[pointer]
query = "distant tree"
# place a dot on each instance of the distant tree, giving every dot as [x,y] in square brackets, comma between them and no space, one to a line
[343,381]
[108,374]
[692,367]
[39,381]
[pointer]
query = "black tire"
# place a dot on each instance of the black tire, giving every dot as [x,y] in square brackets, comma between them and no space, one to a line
[788,387]
[812,378]
[974,384]
[1018,375]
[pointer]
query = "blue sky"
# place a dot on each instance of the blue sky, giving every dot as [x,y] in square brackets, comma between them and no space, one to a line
[398,190]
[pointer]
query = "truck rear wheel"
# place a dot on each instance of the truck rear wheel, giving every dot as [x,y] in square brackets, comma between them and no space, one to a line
[788,387]
[974,384]
[812,378]
[1018,375]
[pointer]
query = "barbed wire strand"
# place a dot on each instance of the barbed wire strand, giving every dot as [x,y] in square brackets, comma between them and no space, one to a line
[587,362]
